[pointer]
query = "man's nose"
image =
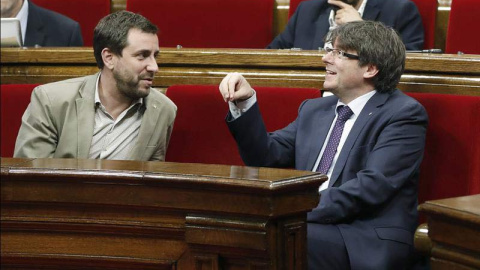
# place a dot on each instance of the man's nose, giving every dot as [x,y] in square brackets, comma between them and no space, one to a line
[152,65]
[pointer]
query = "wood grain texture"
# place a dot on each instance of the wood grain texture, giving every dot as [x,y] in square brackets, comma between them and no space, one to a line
[100,214]
[454,232]
[429,73]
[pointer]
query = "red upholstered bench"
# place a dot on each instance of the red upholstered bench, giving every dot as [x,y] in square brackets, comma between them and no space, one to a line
[450,167]
[451,164]
[86,12]
[14,100]
[209,23]
[200,134]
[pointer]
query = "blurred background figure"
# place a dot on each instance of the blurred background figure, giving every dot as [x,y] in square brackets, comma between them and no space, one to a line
[42,27]
[313,19]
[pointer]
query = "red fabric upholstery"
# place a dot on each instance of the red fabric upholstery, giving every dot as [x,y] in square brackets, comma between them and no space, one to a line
[86,12]
[293,7]
[451,164]
[200,134]
[209,23]
[428,12]
[462,32]
[14,100]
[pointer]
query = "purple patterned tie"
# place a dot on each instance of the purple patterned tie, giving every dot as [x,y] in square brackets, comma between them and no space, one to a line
[344,113]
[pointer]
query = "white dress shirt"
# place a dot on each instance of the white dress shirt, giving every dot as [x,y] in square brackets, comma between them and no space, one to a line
[356,106]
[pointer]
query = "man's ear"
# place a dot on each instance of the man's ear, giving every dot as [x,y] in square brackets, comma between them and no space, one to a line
[108,58]
[370,72]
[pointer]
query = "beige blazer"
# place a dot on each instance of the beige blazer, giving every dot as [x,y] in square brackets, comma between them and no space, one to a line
[59,122]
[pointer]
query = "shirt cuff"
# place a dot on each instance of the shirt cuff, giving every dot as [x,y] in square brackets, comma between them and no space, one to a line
[238,108]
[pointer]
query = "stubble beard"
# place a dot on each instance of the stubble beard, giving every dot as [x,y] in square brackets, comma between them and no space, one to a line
[129,86]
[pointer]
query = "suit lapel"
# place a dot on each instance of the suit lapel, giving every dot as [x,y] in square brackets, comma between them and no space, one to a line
[370,109]
[34,34]
[323,120]
[322,27]
[86,116]
[371,11]
[149,122]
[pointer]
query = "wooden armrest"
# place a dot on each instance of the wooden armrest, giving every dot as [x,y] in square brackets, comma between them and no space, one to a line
[422,242]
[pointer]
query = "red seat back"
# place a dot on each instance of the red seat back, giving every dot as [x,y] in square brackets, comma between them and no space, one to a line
[428,12]
[450,166]
[293,7]
[462,32]
[14,100]
[200,134]
[209,23]
[86,12]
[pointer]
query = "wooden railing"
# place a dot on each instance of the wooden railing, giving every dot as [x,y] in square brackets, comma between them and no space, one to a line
[435,73]
[99,214]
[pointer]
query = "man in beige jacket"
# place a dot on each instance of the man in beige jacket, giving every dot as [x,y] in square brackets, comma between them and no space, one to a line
[114,114]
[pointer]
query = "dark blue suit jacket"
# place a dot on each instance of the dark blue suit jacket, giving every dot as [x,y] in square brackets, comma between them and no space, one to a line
[50,29]
[372,196]
[309,24]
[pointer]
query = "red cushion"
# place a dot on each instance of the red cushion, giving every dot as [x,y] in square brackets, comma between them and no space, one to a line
[86,12]
[209,23]
[200,134]
[428,12]
[293,7]
[450,166]
[14,99]
[462,32]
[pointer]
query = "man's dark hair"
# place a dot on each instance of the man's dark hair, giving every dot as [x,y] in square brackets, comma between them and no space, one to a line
[375,44]
[112,32]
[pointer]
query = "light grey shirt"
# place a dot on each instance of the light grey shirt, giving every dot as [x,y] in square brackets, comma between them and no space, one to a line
[114,138]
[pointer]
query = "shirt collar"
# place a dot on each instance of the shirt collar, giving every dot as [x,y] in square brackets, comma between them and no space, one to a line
[357,104]
[97,96]
[22,16]
[361,9]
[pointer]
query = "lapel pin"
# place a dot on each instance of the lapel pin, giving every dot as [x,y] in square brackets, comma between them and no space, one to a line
[370,113]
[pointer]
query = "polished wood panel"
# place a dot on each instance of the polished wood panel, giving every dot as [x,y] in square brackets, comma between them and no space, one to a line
[435,73]
[77,214]
[453,232]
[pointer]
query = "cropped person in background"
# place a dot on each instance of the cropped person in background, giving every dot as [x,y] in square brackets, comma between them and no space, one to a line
[313,19]
[42,27]
[114,114]
[368,138]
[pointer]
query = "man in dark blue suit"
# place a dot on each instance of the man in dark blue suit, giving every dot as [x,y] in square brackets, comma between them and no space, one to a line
[42,27]
[313,19]
[367,213]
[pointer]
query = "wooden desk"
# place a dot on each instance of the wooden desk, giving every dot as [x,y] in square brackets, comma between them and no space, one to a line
[69,213]
[435,73]
[454,231]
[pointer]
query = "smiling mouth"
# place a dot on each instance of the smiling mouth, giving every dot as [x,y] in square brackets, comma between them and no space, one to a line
[329,72]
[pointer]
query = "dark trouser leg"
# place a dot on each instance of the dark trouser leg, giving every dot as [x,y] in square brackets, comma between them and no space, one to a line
[326,249]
